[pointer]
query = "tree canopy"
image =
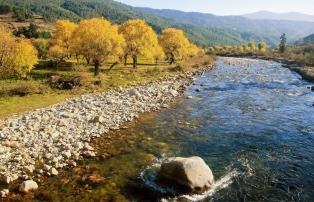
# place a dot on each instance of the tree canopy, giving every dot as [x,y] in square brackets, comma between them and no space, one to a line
[140,40]
[175,44]
[61,41]
[98,40]
[17,56]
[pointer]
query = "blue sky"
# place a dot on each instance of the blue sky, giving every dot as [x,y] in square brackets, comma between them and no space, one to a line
[228,7]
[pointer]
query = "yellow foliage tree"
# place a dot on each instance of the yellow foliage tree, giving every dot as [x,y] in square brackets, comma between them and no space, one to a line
[140,40]
[158,54]
[17,56]
[262,47]
[61,41]
[252,46]
[97,39]
[240,49]
[175,44]
[193,50]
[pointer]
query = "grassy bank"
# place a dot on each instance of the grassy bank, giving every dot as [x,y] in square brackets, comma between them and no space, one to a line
[38,91]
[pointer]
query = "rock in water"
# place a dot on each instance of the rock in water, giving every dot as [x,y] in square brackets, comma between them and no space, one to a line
[27,186]
[193,173]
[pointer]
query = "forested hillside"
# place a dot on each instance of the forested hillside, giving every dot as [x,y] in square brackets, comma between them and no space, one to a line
[309,39]
[119,13]
[270,30]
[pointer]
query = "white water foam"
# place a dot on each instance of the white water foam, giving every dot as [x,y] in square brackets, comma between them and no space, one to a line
[222,183]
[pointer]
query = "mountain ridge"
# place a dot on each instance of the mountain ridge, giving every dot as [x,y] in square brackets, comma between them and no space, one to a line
[290,16]
[202,29]
[268,29]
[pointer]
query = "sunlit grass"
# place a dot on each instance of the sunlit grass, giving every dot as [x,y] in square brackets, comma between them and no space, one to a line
[41,95]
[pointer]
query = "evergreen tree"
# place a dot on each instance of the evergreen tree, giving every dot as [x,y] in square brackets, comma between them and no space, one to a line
[282,45]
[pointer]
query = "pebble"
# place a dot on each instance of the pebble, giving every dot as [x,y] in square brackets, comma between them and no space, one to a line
[4,193]
[54,172]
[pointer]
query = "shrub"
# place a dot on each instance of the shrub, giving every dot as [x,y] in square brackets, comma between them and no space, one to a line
[65,82]
[181,67]
[154,70]
[22,88]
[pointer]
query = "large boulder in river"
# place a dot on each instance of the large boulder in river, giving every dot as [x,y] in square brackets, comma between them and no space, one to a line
[192,173]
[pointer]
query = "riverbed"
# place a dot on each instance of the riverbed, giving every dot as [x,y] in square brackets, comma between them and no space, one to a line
[250,120]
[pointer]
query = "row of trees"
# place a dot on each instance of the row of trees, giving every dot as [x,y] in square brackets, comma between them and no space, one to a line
[97,40]
[251,47]
[17,56]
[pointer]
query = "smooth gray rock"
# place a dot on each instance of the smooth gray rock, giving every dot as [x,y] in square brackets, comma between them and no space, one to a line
[193,173]
[27,186]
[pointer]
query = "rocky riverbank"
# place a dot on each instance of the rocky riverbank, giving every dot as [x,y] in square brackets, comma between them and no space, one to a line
[306,72]
[40,142]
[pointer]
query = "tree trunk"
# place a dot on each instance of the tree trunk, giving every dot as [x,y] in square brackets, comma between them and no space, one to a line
[87,60]
[134,61]
[125,59]
[97,69]
[171,59]
[112,66]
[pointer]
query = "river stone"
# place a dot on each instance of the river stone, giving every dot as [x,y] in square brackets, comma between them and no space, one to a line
[192,173]
[4,193]
[27,186]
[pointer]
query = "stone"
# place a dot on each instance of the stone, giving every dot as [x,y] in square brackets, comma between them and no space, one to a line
[189,97]
[174,93]
[29,169]
[135,93]
[89,154]
[93,179]
[67,154]
[312,88]
[27,186]
[192,173]
[99,119]
[54,172]
[7,179]
[4,193]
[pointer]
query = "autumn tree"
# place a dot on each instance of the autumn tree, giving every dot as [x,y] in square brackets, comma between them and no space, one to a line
[17,56]
[61,41]
[140,40]
[98,39]
[251,46]
[158,54]
[262,47]
[175,44]
[240,49]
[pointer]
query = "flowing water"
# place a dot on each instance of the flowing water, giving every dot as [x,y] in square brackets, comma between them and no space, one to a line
[252,121]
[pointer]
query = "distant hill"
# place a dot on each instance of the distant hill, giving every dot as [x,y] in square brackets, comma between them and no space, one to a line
[268,30]
[291,16]
[309,40]
[202,29]
[76,10]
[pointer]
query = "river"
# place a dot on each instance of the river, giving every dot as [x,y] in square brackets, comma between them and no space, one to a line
[251,121]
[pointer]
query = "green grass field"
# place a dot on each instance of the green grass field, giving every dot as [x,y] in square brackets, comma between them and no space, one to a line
[17,96]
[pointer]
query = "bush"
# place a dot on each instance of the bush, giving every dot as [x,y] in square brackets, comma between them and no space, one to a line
[154,70]
[4,9]
[65,82]
[22,88]
[181,67]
